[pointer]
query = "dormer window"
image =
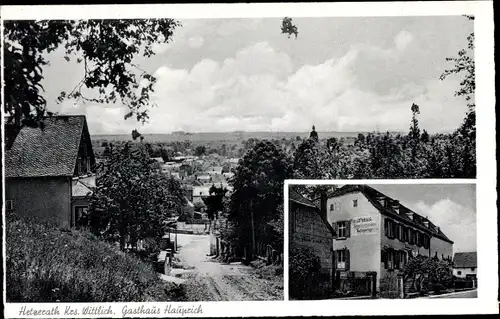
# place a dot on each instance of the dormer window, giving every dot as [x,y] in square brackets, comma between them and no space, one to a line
[395,206]
[381,200]
[410,215]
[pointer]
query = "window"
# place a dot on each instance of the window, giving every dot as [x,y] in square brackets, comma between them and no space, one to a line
[343,229]
[9,204]
[391,228]
[390,259]
[354,203]
[332,207]
[405,234]
[342,259]
[473,268]
[79,212]
[401,259]
[459,272]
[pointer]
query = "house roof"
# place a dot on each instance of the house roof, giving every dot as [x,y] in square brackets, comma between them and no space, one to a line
[51,151]
[465,260]
[373,195]
[301,200]
[79,189]
[201,191]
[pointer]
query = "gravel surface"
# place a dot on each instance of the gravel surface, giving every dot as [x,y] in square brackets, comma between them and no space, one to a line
[209,280]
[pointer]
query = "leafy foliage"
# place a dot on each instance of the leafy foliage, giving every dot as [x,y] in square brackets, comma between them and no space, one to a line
[47,264]
[287,27]
[214,202]
[428,273]
[258,193]
[106,50]
[304,273]
[132,199]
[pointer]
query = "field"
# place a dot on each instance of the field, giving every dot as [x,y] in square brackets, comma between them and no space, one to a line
[222,137]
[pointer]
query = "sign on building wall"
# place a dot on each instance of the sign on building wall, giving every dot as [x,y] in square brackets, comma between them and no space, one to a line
[364,225]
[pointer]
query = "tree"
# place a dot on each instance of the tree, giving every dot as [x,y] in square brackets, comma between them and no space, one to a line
[104,48]
[424,138]
[200,150]
[428,273]
[214,202]
[304,267]
[132,200]
[257,193]
[464,64]
[287,27]
[414,129]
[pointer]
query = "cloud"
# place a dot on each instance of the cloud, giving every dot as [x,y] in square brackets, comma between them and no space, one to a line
[456,221]
[403,40]
[196,42]
[259,89]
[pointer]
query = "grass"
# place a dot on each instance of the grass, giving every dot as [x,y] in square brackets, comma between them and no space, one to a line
[46,264]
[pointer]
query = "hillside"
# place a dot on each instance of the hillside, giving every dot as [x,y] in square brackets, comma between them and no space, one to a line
[46,264]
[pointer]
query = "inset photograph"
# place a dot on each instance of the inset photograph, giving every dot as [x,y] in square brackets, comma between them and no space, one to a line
[382,241]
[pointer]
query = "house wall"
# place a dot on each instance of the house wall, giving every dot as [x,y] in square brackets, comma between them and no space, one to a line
[464,272]
[365,227]
[441,247]
[308,230]
[46,199]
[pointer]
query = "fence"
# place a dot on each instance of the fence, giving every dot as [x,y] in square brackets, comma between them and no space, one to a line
[390,287]
[355,284]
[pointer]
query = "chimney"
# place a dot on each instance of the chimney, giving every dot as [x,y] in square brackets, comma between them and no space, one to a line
[323,204]
[395,206]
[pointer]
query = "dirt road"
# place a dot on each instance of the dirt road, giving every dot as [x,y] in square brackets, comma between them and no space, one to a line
[210,280]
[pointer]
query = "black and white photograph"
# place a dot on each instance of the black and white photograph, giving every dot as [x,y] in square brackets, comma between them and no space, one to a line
[148,151]
[382,241]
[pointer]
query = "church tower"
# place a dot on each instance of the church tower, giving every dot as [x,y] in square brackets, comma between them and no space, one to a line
[314,134]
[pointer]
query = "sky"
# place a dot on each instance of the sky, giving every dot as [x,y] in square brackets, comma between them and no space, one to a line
[340,74]
[449,206]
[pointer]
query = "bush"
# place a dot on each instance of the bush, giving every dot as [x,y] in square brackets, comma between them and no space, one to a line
[306,279]
[46,264]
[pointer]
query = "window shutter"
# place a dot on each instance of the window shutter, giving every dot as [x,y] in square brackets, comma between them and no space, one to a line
[396,259]
[347,259]
[348,228]
[386,227]
[336,228]
[383,256]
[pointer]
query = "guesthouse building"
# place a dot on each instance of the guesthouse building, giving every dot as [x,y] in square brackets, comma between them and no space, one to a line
[375,237]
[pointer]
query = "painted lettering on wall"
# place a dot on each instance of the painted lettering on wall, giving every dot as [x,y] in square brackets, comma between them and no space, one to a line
[364,226]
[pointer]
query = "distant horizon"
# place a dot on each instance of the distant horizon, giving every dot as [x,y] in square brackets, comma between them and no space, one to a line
[284,132]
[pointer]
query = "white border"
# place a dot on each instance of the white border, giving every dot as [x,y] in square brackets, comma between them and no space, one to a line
[486,162]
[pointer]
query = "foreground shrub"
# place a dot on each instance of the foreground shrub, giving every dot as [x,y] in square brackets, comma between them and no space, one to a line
[45,264]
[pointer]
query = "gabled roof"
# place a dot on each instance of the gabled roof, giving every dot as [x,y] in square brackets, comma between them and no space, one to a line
[373,195]
[51,151]
[301,200]
[465,260]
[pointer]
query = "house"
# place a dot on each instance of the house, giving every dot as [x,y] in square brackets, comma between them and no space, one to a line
[40,165]
[465,265]
[309,229]
[214,170]
[377,235]
[204,179]
[199,193]
[81,189]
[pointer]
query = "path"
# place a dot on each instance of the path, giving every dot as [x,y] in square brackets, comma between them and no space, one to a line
[461,294]
[209,280]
